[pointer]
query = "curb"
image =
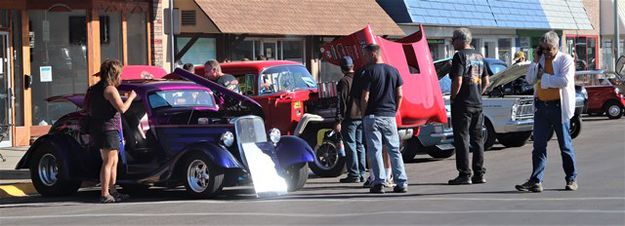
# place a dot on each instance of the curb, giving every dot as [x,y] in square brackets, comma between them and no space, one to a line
[17,190]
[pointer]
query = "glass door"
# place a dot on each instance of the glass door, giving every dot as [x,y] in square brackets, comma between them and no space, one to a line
[270,50]
[6,109]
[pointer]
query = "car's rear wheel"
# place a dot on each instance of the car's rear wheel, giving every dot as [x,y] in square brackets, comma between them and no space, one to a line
[45,169]
[613,110]
[296,176]
[517,139]
[575,126]
[201,177]
[328,161]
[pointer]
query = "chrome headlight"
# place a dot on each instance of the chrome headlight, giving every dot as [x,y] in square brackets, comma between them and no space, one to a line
[274,135]
[227,139]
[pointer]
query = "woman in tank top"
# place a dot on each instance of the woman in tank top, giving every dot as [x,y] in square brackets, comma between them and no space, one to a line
[105,105]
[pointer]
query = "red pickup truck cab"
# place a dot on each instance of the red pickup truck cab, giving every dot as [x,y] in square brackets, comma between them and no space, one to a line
[603,95]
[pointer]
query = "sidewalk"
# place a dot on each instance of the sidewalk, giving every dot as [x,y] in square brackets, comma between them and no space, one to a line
[14,183]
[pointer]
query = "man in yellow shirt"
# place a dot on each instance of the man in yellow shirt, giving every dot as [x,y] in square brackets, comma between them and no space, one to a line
[553,74]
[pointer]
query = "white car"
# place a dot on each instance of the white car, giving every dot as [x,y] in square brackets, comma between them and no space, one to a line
[507,119]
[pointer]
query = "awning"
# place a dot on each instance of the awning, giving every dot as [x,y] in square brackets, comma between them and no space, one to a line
[302,17]
[510,14]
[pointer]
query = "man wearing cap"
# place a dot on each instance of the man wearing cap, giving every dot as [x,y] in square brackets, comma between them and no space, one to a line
[519,58]
[349,119]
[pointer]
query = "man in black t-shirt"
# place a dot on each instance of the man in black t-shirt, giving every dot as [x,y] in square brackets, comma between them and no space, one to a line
[469,79]
[381,98]
[212,71]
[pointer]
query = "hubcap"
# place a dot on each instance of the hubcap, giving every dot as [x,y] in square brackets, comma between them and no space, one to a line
[327,156]
[48,169]
[197,176]
[614,110]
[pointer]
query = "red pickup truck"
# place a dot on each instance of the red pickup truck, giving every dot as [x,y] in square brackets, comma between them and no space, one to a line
[296,104]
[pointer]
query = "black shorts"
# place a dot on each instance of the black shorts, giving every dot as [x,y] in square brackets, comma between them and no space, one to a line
[107,140]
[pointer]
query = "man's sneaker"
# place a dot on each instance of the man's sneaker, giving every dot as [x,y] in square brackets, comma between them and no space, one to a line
[571,186]
[367,184]
[389,184]
[530,186]
[378,188]
[400,189]
[478,179]
[350,180]
[460,180]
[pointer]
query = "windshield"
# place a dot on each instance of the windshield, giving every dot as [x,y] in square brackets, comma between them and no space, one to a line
[181,98]
[285,78]
[496,68]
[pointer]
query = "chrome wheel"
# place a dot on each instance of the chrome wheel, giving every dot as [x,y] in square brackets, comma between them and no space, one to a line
[614,110]
[198,177]
[327,156]
[48,169]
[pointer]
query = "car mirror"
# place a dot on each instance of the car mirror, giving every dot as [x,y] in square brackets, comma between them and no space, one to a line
[619,65]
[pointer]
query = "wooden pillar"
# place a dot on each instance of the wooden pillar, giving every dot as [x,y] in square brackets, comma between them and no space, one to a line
[93,45]
[125,37]
[148,37]
[24,132]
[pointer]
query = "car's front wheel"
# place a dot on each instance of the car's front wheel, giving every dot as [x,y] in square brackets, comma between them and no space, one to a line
[613,110]
[410,148]
[296,176]
[489,134]
[45,169]
[201,177]
[517,139]
[328,161]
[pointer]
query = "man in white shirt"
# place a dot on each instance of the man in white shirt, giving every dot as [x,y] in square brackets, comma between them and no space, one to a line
[552,73]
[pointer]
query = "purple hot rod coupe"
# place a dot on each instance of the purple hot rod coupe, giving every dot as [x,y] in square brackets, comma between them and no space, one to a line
[177,132]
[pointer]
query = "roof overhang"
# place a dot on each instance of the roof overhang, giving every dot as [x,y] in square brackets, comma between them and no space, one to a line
[303,17]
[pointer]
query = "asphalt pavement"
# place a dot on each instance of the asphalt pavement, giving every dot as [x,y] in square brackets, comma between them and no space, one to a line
[600,199]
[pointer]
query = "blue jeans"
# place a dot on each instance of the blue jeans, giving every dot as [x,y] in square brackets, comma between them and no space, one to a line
[383,131]
[547,117]
[354,148]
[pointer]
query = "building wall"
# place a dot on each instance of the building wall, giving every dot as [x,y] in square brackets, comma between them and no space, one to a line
[160,41]
[202,23]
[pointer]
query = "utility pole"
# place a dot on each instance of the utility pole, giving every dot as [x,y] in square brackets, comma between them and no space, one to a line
[172,50]
[616,43]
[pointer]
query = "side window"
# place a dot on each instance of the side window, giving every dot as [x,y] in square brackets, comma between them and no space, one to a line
[246,84]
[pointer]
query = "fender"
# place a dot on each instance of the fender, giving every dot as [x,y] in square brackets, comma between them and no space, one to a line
[217,154]
[306,119]
[64,146]
[291,150]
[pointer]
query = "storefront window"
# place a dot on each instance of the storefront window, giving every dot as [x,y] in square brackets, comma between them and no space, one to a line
[437,48]
[58,61]
[202,50]
[137,39]
[505,50]
[111,35]
[293,50]
[584,50]
[244,49]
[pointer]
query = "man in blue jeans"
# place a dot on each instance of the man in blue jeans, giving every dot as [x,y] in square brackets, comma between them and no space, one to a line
[381,97]
[349,123]
[553,73]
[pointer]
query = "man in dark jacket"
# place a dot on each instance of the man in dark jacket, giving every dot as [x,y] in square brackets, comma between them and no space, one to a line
[350,122]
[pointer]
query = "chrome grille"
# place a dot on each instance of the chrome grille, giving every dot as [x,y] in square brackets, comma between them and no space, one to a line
[250,129]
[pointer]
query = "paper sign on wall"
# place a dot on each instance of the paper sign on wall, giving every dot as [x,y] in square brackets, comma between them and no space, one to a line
[45,74]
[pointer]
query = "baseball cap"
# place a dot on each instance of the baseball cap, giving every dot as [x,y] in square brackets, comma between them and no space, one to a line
[346,61]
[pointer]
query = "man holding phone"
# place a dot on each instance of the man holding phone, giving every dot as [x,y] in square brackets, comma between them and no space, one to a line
[553,73]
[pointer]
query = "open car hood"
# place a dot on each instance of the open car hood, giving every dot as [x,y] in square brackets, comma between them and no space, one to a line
[423,101]
[139,72]
[76,99]
[180,73]
[506,76]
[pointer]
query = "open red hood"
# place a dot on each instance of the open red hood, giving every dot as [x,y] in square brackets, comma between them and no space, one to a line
[423,101]
[139,72]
